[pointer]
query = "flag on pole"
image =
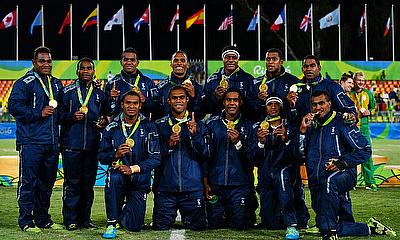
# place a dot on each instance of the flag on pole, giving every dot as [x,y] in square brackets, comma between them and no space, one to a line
[330,19]
[90,20]
[227,22]
[143,19]
[115,20]
[174,19]
[306,20]
[197,18]
[253,23]
[387,28]
[279,21]
[362,22]
[66,22]
[9,20]
[37,21]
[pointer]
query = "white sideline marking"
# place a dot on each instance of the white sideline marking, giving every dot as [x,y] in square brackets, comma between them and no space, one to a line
[177,234]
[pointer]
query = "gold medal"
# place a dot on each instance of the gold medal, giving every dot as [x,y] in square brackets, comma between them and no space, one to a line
[130,142]
[223,83]
[53,103]
[263,87]
[136,89]
[176,128]
[293,88]
[264,125]
[84,109]
[187,81]
[230,125]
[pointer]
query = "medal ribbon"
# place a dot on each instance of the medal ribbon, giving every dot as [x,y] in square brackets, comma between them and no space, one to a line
[80,98]
[225,121]
[224,77]
[264,80]
[329,119]
[181,121]
[136,81]
[272,119]
[48,92]
[124,128]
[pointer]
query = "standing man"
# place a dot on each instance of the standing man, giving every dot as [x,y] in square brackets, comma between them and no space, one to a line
[180,76]
[83,115]
[229,76]
[227,170]
[367,104]
[33,102]
[130,147]
[178,180]
[130,79]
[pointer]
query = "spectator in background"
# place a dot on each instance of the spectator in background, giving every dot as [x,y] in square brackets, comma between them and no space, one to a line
[327,77]
[110,76]
[1,112]
[393,97]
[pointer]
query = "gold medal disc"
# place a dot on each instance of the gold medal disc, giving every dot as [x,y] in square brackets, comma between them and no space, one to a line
[224,84]
[264,125]
[53,103]
[176,128]
[263,87]
[130,142]
[293,88]
[230,125]
[84,109]
[136,89]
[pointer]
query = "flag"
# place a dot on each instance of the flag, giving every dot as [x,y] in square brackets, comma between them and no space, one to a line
[115,20]
[362,22]
[9,20]
[174,19]
[37,21]
[306,20]
[387,28]
[90,20]
[279,21]
[66,22]
[143,19]
[253,23]
[227,21]
[330,19]
[197,18]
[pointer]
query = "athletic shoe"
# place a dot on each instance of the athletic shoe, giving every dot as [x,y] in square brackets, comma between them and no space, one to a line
[331,235]
[72,227]
[89,225]
[110,232]
[34,229]
[379,228]
[292,233]
[372,187]
[54,226]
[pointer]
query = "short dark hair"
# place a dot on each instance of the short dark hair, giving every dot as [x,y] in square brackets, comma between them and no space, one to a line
[312,57]
[344,77]
[129,50]
[180,51]
[229,90]
[275,50]
[177,87]
[130,93]
[84,59]
[318,93]
[41,49]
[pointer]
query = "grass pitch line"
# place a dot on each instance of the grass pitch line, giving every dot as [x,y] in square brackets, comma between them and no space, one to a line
[177,234]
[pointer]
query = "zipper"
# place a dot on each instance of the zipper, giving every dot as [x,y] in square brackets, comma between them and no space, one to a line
[34,100]
[320,151]
[226,160]
[179,167]
[85,131]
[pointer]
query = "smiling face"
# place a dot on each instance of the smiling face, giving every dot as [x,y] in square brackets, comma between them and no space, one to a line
[310,69]
[178,101]
[320,105]
[360,80]
[347,85]
[231,62]
[232,102]
[179,64]
[43,64]
[129,62]
[131,105]
[85,71]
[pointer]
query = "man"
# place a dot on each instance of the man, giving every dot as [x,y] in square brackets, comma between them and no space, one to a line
[333,149]
[33,102]
[180,76]
[229,76]
[131,79]
[227,176]
[277,171]
[367,104]
[83,114]
[130,147]
[178,180]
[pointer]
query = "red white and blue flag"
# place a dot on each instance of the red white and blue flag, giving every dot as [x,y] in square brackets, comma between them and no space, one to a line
[174,19]
[306,20]
[387,28]
[226,23]
[279,21]
[143,19]
[253,23]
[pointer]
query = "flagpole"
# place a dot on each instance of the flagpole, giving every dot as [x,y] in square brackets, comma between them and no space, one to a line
[42,25]
[393,58]
[366,32]
[258,33]
[232,25]
[340,44]
[285,33]
[70,32]
[98,32]
[177,28]
[205,44]
[123,27]
[312,30]
[150,43]
[16,33]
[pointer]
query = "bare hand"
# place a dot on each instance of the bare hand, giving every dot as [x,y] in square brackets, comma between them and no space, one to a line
[78,115]
[189,89]
[262,135]
[174,139]
[234,135]
[330,165]
[142,97]
[262,95]
[124,169]
[292,97]
[192,125]
[366,113]
[207,189]
[114,93]
[306,122]
[122,150]
[98,84]
[101,123]
[47,111]
[281,132]
[219,92]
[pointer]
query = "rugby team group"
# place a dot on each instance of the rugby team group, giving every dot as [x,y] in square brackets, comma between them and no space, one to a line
[201,144]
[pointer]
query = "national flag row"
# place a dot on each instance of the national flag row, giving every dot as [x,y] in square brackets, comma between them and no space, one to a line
[331,19]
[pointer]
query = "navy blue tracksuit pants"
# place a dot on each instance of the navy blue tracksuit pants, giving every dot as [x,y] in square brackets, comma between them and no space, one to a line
[80,169]
[37,174]
[190,204]
[332,205]
[125,203]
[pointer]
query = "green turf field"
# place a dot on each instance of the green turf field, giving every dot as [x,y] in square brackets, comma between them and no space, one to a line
[382,204]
